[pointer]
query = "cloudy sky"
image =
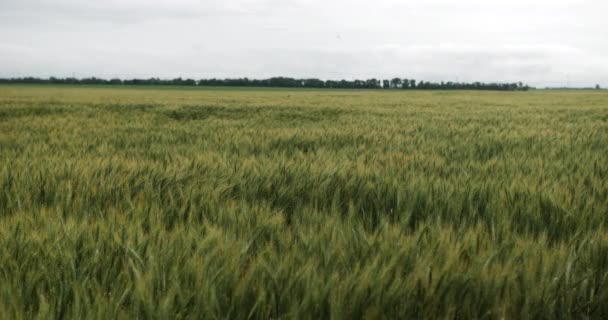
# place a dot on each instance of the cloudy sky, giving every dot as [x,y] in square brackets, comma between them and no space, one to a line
[541,42]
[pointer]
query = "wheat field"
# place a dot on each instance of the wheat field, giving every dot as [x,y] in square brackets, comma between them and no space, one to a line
[175,203]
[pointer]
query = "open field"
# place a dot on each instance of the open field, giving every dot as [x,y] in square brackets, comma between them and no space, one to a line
[173,204]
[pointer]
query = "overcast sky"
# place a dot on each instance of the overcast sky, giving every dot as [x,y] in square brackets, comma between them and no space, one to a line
[541,42]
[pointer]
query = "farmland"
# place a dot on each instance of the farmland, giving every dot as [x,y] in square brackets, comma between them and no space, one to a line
[127,202]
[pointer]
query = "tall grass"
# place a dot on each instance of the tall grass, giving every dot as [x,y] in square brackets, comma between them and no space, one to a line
[182,204]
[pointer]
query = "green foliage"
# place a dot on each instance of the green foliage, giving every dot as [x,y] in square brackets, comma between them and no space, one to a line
[180,204]
[276,82]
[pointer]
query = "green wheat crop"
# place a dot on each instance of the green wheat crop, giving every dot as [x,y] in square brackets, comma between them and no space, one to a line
[203,204]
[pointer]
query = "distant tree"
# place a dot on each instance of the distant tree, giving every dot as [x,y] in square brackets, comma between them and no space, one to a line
[395,83]
[372,83]
[597,87]
[313,83]
[285,82]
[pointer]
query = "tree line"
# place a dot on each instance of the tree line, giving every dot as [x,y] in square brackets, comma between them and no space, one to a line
[283,82]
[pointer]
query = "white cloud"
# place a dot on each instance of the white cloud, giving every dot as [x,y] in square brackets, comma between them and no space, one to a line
[541,42]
